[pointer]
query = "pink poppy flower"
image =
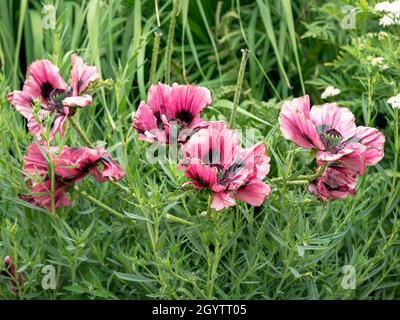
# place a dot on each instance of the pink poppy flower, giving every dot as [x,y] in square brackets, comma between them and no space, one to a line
[44,83]
[213,160]
[331,130]
[40,194]
[179,105]
[16,279]
[337,182]
[71,165]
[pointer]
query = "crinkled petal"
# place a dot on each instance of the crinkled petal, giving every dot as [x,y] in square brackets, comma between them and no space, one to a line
[374,140]
[215,145]
[254,193]
[41,196]
[78,101]
[203,177]
[331,116]
[111,171]
[186,102]
[295,124]
[222,200]
[42,78]
[157,98]
[81,75]
[35,161]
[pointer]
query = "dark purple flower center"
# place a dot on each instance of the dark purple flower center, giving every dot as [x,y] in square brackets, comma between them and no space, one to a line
[55,100]
[45,90]
[331,139]
[184,117]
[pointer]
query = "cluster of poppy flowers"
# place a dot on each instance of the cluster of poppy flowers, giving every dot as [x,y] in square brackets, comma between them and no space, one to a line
[46,102]
[211,153]
[213,159]
[344,150]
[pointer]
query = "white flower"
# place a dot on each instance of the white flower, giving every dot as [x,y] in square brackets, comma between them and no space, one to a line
[386,21]
[330,91]
[395,101]
[386,6]
[378,62]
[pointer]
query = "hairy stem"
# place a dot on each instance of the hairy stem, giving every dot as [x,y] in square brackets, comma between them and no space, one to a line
[80,132]
[176,219]
[154,56]
[170,40]
[245,56]
[100,204]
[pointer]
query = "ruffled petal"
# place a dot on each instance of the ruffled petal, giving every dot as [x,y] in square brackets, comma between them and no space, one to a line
[374,141]
[295,124]
[41,196]
[77,101]
[186,102]
[222,200]
[81,75]
[254,193]
[331,116]
[157,98]
[42,78]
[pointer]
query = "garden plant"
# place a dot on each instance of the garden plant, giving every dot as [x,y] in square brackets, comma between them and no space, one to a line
[199,149]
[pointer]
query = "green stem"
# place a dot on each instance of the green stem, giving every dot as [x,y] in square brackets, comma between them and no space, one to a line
[154,56]
[173,218]
[168,50]
[245,56]
[100,204]
[396,147]
[80,132]
[304,178]
[22,11]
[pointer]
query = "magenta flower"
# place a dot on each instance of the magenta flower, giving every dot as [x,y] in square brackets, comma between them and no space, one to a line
[44,83]
[179,105]
[213,159]
[337,182]
[40,194]
[71,165]
[332,131]
[16,279]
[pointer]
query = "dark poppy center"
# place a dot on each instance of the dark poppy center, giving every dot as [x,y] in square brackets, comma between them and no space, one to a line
[46,90]
[331,139]
[184,116]
[160,123]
